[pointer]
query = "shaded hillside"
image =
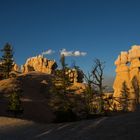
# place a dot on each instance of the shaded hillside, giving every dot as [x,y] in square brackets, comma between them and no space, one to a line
[35,87]
[36,95]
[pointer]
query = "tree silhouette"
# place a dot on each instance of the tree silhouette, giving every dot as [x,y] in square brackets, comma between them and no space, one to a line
[64,78]
[89,93]
[7,60]
[97,73]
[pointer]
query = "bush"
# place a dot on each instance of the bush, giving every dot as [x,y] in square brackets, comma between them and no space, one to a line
[14,105]
[65,116]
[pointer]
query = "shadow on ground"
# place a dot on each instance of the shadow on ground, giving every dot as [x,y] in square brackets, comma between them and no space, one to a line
[125,126]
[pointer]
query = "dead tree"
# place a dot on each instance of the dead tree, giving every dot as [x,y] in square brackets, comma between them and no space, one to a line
[97,73]
[97,81]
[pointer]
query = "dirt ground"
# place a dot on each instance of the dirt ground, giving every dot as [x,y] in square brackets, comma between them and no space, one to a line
[122,127]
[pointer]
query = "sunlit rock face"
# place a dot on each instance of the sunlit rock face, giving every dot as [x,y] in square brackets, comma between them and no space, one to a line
[127,69]
[134,58]
[16,67]
[75,76]
[122,73]
[39,64]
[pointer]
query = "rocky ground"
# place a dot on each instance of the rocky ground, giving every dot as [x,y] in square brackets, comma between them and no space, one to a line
[122,127]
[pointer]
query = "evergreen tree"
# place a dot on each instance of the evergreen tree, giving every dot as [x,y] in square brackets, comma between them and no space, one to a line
[125,93]
[59,101]
[64,77]
[7,60]
[88,94]
[14,105]
[136,88]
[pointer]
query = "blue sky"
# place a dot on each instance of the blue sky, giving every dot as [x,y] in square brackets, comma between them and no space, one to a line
[102,28]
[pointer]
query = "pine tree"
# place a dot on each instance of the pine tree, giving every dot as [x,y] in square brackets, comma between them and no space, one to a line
[14,105]
[60,102]
[125,93]
[64,77]
[136,88]
[7,60]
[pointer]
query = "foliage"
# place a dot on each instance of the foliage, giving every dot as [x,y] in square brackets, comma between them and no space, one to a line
[7,60]
[14,105]
[135,86]
[63,77]
[59,100]
[124,99]
[94,89]
[61,105]
[89,94]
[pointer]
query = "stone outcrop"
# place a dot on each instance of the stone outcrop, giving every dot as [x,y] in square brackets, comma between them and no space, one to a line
[128,71]
[16,67]
[39,64]
[75,75]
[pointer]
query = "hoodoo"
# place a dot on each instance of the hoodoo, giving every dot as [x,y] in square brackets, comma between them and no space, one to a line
[128,72]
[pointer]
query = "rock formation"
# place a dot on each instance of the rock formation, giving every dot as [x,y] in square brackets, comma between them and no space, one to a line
[128,71]
[39,64]
[16,67]
[76,76]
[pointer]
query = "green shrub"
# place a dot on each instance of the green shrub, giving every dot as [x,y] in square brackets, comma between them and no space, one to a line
[14,105]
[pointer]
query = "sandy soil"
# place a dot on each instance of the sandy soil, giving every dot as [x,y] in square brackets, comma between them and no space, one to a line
[122,127]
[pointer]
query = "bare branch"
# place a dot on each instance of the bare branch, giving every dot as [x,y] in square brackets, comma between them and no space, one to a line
[97,73]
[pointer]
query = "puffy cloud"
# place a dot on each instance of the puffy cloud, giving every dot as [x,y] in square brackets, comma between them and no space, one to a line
[66,53]
[78,53]
[48,52]
[72,53]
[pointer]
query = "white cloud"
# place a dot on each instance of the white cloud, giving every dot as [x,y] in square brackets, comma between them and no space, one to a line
[66,53]
[78,53]
[48,52]
[72,53]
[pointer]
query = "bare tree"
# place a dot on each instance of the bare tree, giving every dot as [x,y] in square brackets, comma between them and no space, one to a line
[94,82]
[97,73]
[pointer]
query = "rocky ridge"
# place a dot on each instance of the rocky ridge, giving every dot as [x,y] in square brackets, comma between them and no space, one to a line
[39,64]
